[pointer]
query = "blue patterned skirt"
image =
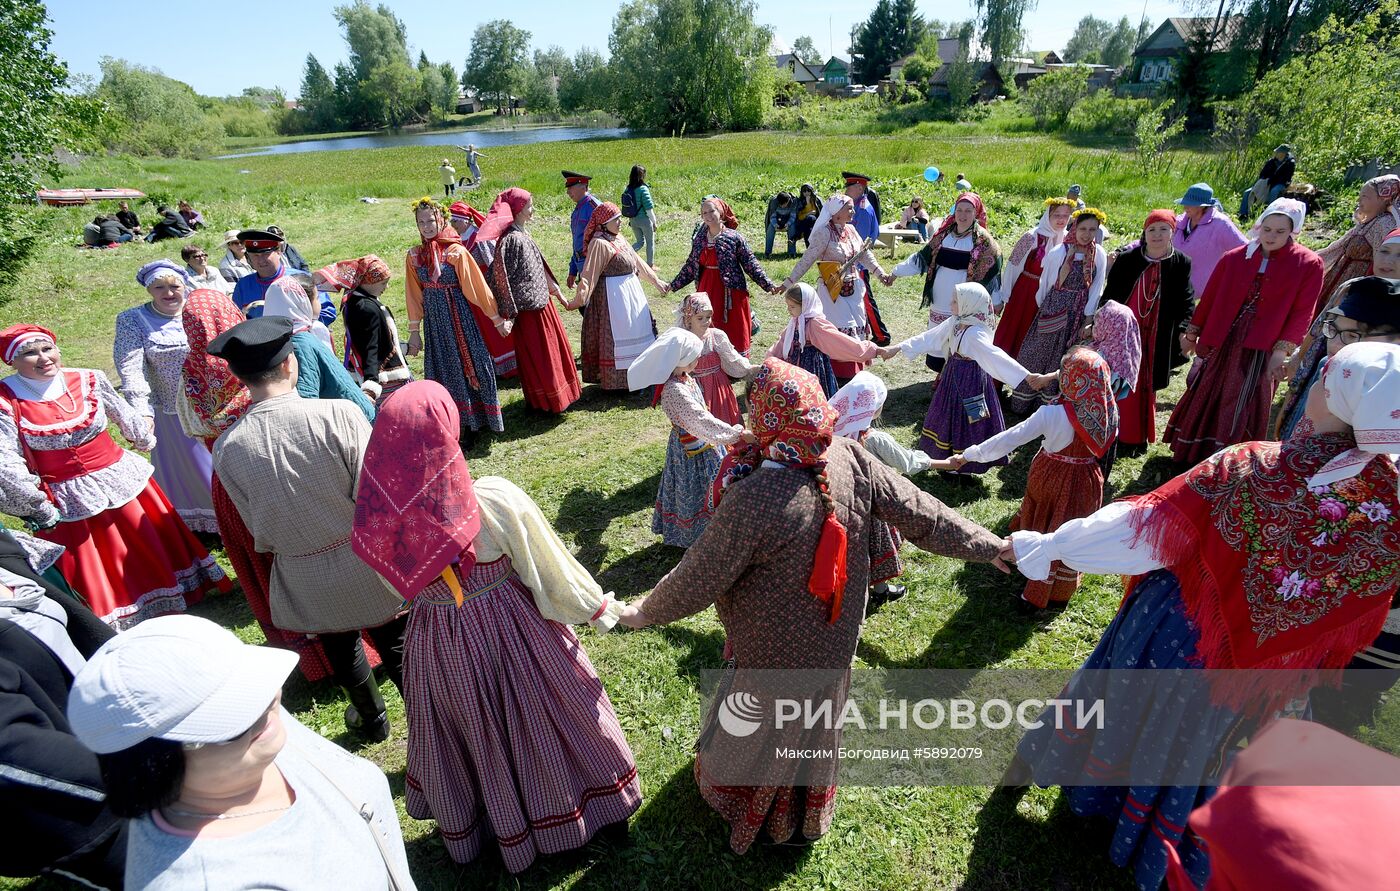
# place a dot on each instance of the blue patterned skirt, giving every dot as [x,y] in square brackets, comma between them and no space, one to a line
[1165,736]
[681,511]
[445,343]
[814,360]
[962,392]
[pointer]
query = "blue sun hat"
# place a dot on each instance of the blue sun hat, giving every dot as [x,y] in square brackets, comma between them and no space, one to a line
[1199,195]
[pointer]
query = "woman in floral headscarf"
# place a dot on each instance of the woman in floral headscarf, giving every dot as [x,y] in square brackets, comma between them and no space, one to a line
[372,353]
[719,361]
[1065,481]
[786,562]
[618,326]
[441,281]
[1021,279]
[962,250]
[1071,284]
[512,741]
[1351,256]
[1265,556]
[1252,316]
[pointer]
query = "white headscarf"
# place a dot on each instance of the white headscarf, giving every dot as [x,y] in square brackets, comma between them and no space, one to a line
[674,348]
[858,403]
[832,206]
[811,309]
[974,308]
[1292,208]
[286,298]
[1362,386]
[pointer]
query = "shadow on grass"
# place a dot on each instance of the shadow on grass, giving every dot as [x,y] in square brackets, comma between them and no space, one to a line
[1009,850]
[907,406]
[586,514]
[701,651]
[639,571]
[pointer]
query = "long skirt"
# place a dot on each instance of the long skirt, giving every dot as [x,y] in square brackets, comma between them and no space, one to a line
[1020,310]
[879,332]
[1056,325]
[962,392]
[848,314]
[884,549]
[733,315]
[781,811]
[819,364]
[254,571]
[547,374]
[1059,488]
[1226,401]
[716,387]
[1165,735]
[446,348]
[1309,371]
[681,511]
[504,357]
[137,561]
[511,735]
[183,468]
[616,328]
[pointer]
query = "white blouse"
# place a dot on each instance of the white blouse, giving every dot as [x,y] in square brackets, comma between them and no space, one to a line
[1050,273]
[1049,421]
[883,446]
[1101,543]
[976,344]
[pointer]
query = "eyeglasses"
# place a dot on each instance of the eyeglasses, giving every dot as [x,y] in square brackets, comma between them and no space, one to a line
[1347,336]
[199,256]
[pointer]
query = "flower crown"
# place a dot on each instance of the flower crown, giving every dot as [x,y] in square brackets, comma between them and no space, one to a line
[1060,201]
[426,202]
[1088,212]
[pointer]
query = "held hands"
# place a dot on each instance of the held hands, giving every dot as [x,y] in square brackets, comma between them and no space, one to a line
[954,463]
[1005,556]
[887,279]
[777,290]
[1278,366]
[632,615]
[504,326]
[1188,345]
[569,282]
[748,438]
[415,343]
[887,353]
[1039,382]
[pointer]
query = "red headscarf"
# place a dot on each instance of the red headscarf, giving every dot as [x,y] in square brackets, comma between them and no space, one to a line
[951,220]
[416,512]
[436,246]
[217,397]
[16,336]
[347,275]
[602,215]
[1161,216]
[503,210]
[789,414]
[467,212]
[1086,388]
[726,213]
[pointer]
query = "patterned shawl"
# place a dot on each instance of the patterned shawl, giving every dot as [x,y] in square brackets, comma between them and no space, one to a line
[347,275]
[692,304]
[416,512]
[1086,389]
[1362,387]
[726,213]
[858,404]
[435,248]
[602,215]
[501,216]
[161,269]
[1118,339]
[985,250]
[1387,188]
[217,397]
[789,414]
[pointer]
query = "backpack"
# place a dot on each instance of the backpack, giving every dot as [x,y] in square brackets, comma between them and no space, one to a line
[629,203]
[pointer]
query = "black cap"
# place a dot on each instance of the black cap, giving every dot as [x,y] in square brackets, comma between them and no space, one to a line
[1372,300]
[855,178]
[573,179]
[254,346]
[260,241]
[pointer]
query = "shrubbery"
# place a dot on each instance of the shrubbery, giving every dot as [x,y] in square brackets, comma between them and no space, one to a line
[1102,112]
[1052,96]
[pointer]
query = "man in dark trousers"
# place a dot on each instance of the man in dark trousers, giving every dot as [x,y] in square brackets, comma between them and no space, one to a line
[1274,178]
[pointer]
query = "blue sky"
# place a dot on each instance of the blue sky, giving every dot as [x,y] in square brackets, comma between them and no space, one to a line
[221,48]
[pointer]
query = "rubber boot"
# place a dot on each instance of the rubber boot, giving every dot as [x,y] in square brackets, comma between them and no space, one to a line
[367,715]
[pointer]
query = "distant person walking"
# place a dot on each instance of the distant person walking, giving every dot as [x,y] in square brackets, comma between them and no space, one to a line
[449,178]
[640,211]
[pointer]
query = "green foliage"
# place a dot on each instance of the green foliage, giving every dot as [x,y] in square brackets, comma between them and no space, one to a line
[964,77]
[1104,113]
[439,89]
[691,65]
[153,115]
[1335,103]
[385,90]
[1086,44]
[318,97]
[1151,134]
[1117,50]
[999,23]
[1050,97]
[892,32]
[498,61]
[804,49]
[244,117]
[586,85]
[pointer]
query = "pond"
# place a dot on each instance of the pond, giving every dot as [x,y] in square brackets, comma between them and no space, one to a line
[482,139]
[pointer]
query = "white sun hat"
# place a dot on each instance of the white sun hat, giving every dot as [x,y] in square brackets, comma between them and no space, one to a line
[180,678]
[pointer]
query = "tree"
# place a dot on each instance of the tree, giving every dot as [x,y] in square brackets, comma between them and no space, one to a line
[892,32]
[317,97]
[153,114]
[584,87]
[1118,49]
[375,36]
[1050,97]
[804,49]
[545,76]
[382,88]
[439,88]
[963,76]
[498,60]
[1000,24]
[1086,44]
[685,65]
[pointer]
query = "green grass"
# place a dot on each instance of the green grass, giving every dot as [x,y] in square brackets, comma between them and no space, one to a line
[594,471]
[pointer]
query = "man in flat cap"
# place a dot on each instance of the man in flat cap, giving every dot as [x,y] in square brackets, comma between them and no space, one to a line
[1274,179]
[867,223]
[576,184]
[292,467]
[263,250]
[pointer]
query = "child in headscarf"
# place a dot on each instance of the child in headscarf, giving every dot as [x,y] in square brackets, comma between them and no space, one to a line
[813,343]
[1065,481]
[373,354]
[719,361]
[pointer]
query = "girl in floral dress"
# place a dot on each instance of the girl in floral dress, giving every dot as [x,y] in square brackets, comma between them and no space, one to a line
[719,362]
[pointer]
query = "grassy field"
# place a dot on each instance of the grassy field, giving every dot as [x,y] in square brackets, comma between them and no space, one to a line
[595,470]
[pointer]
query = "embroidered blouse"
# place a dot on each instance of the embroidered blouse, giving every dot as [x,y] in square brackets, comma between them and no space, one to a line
[838,248]
[735,259]
[50,426]
[684,404]
[718,343]
[148,351]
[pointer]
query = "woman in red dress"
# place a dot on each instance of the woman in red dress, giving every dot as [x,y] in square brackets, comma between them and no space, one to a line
[1252,316]
[719,259]
[127,551]
[1016,297]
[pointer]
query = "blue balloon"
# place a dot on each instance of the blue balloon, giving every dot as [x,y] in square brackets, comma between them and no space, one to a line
[932,174]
